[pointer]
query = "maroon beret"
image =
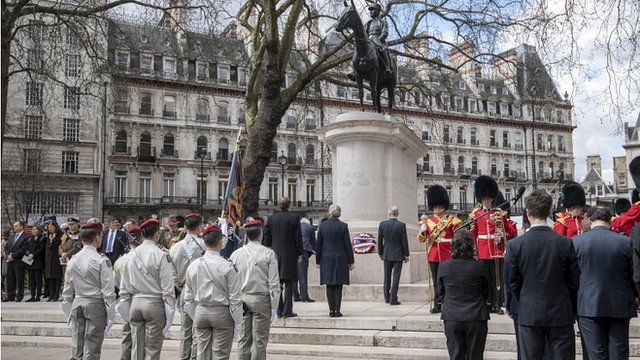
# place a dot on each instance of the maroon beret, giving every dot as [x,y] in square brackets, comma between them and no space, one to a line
[210,228]
[93,225]
[134,230]
[253,224]
[194,216]
[149,223]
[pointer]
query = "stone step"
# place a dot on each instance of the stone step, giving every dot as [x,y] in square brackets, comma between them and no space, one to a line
[418,292]
[304,351]
[336,337]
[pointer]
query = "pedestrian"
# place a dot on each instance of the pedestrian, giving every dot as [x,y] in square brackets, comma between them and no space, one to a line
[258,269]
[183,253]
[213,298]
[147,290]
[35,253]
[16,247]
[53,271]
[608,295]
[393,249]
[301,289]
[283,234]
[437,232]
[88,297]
[544,278]
[334,255]
[463,285]
[118,273]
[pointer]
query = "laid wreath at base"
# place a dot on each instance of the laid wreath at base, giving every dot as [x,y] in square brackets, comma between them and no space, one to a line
[363,243]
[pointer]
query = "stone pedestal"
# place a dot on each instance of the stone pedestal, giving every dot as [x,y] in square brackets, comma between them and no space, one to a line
[374,167]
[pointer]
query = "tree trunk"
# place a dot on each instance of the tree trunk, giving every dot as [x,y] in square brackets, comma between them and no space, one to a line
[7,30]
[262,130]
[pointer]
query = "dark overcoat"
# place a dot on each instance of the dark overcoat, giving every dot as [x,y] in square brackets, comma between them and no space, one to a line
[52,267]
[334,252]
[282,233]
[36,247]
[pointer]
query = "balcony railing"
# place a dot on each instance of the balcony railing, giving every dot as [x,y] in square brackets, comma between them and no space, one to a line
[121,109]
[506,145]
[135,201]
[146,153]
[169,113]
[475,142]
[121,151]
[493,143]
[223,119]
[168,152]
[222,156]
[518,146]
[203,117]
[145,111]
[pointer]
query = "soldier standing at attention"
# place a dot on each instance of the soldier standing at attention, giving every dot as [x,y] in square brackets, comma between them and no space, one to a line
[73,245]
[88,297]
[213,299]
[118,271]
[569,222]
[147,287]
[258,269]
[183,254]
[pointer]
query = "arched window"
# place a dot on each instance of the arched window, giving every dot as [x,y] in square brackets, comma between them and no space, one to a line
[426,166]
[291,153]
[474,165]
[540,168]
[310,155]
[292,120]
[447,164]
[202,146]
[168,146]
[494,167]
[145,144]
[460,164]
[274,152]
[202,112]
[507,168]
[517,139]
[223,149]
[309,122]
[121,142]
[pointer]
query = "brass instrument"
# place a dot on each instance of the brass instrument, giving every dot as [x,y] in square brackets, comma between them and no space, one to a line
[500,233]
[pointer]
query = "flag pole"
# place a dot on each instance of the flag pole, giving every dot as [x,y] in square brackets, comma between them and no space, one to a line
[235,150]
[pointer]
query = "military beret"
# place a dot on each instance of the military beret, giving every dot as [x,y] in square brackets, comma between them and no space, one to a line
[134,230]
[210,228]
[149,223]
[253,224]
[94,225]
[50,218]
[73,219]
[194,216]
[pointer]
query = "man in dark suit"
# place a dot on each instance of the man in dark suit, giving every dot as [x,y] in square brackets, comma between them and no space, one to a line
[15,249]
[114,241]
[282,233]
[608,294]
[300,291]
[544,278]
[393,249]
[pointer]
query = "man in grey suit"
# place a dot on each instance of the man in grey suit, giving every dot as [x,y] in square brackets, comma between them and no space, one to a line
[607,296]
[15,249]
[393,249]
[300,290]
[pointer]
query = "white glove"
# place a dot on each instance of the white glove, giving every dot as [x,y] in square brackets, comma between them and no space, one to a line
[273,315]
[108,326]
[423,228]
[236,330]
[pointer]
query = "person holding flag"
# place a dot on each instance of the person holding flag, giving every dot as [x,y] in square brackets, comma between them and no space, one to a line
[232,209]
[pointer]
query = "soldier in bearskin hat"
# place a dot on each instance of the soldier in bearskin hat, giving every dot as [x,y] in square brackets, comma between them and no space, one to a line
[491,230]
[437,232]
[623,223]
[569,222]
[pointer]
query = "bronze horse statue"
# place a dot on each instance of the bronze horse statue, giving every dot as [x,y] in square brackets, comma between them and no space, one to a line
[367,63]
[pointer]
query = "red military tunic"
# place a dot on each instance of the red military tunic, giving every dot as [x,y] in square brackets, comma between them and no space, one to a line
[568,225]
[488,245]
[624,223]
[441,248]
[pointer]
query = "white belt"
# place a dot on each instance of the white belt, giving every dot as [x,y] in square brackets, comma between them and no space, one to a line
[443,240]
[152,296]
[486,237]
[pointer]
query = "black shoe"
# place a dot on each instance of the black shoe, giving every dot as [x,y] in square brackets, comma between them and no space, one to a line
[19,300]
[45,296]
[8,300]
[337,314]
[498,310]
[307,300]
[386,301]
[437,308]
[36,300]
[332,314]
[296,299]
[289,315]
[396,303]
[279,316]
[30,300]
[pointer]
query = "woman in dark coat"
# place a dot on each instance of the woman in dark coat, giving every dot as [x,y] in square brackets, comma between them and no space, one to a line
[334,254]
[35,252]
[52,267]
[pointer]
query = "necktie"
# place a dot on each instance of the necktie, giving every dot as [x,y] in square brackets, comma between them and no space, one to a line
[111,238]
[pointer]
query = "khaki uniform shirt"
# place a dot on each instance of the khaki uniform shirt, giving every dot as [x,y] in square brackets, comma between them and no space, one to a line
[148,273]
[89,275]
[119,269]
[258,269]
[214,280]
[183,254]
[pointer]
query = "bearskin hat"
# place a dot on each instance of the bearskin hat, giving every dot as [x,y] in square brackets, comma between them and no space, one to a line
[622,206]
[485,186]
[634,169]
[437,195]
[572,195]
[635,196]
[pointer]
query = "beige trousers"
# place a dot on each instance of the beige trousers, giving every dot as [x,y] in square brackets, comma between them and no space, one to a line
[88,321]
[147,321]
[214,332]
[254,334]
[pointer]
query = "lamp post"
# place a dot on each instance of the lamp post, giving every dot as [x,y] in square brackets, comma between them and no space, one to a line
[282,160]
[534,95]
[201,153]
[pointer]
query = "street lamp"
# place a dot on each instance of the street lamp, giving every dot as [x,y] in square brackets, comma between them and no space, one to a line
[201,153]
[534,95]
[282,160]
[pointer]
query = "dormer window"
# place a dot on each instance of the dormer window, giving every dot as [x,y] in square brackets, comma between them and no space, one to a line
[494,90]
[505,91]
[169,67]
[223,75]
[480,87]
[461,85]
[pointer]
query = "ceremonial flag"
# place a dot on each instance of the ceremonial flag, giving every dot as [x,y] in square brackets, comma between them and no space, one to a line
[235,188]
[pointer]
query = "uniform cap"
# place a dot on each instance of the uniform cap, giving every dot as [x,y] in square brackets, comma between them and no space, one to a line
[485,186]
[573,195]
[134,230]
[194,216]
[73,219]
[210,228]
[94,226]
[437,196]
[253,224]
[150,223]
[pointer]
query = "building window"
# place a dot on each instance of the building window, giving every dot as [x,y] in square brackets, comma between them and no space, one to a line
[504,110]
[36,30]
[461,165]
[474,136]
[518,141]
[223,149]
[120,146]
[34,92]
[242,77]
[540,142]
[462,192]
[122,101]
[460,135]
[309,122]
[481,87]
[146,103]
[201,188]
[202,72]
[51,203]
[446,102]
[72,98]
[242,116]
[222,188]
[202,146]
[274,152]
[622,180]
[459,104]
[493,89]
[34,59]
[561,143]
[292,190]
[517,111]
[355,93]
[69,162]
[447,164]
[120,192]
[168,146]
[71,130]
[223,113]
[202,111]
[519,169]
[445,134]
[474,166]
[33,127]
[169,107]
[492,138]
[169,184]
[505,139]
[72,65]
[550,143]
[273,190]
[169,67]
[146,65]
[122,61]
[492,108]
[145,145]
[426,166]
[507,168]
[311,191]
[292,122]
[73,40]
[145,186]
[425,135]
[505,91]
[494,167]
[473,106]
[461,85]
[559,116]
[223,75]
[599,190]
[341,91]
[310,158]
[291,154]
[31,159]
